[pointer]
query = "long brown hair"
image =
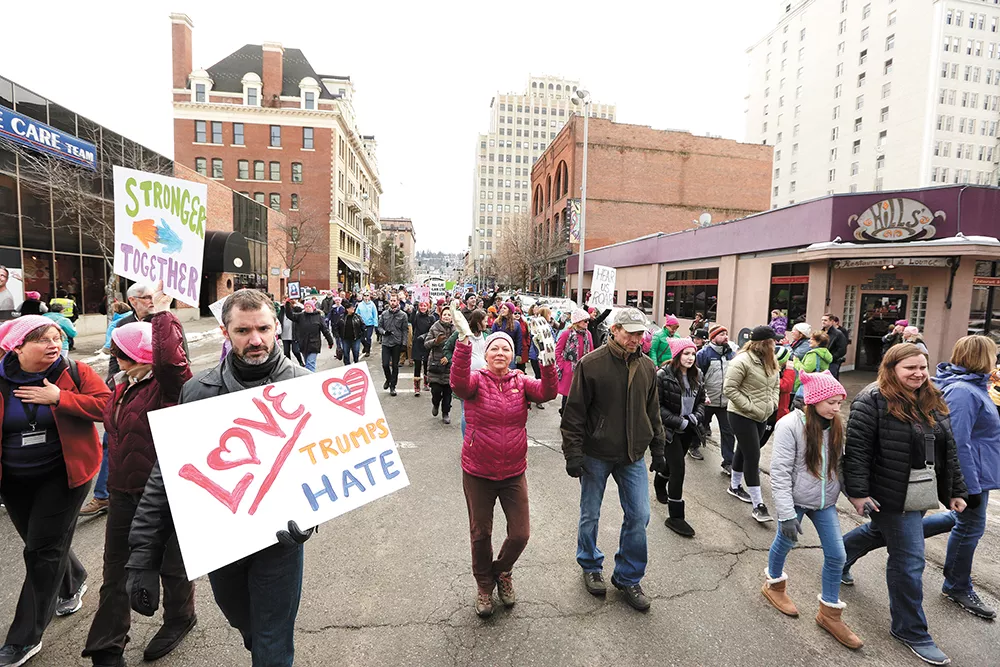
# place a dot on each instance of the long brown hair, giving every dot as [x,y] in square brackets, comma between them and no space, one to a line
[678,371]
[764,350]
[814,442]
[905,404]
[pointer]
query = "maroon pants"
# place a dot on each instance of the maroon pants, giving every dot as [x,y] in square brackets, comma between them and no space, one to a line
[481,496]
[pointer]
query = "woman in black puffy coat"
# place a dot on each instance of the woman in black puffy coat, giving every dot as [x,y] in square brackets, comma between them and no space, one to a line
[682,411]
[897,426]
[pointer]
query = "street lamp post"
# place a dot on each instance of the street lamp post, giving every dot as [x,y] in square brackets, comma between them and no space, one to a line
[582,98]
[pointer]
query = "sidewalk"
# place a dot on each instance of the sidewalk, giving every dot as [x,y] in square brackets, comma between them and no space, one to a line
[87,349]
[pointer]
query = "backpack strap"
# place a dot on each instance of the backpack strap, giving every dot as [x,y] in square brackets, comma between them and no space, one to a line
[74,372]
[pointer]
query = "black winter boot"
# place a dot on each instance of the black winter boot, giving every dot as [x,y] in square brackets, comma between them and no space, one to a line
[676,522]
[660,486]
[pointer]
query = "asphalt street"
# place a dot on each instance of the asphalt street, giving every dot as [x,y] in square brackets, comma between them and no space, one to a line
[391,583]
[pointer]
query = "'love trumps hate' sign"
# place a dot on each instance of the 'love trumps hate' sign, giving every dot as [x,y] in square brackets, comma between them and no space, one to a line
[239,466]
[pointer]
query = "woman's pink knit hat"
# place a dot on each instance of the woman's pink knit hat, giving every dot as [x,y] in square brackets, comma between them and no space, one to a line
[817,387]
[135,340]
[678,345]
[13,332]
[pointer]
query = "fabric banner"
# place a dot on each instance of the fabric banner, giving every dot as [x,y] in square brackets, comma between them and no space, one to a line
[573,213]
[160,231]
[239,466]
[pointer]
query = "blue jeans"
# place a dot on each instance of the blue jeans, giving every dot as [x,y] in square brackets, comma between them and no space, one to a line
[969,527]
[461,405]
[828,527]
[368,337]
[903,535]
[311,361]
[101,485]
[633,492]
[349,349]
[259,595]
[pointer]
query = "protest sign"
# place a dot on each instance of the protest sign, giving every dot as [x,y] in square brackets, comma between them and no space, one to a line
[160,231]
[293,290]
[421,293]
[216,309]
[308,450]
[602,287]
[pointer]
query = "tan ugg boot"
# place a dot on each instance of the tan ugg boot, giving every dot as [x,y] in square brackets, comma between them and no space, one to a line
[829,619]
[774,591]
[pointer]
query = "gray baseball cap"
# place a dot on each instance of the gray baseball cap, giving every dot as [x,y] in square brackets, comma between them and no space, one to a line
[631,319]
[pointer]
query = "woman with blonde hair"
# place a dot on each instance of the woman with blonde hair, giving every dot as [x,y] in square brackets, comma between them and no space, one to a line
[900,460]
[752,386]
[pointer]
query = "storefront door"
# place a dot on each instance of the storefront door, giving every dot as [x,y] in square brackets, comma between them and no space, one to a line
[878,315]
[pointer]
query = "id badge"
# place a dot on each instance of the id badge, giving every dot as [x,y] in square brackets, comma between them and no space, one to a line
[32,438]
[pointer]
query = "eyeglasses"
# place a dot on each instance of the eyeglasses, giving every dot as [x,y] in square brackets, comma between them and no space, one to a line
[49,341]
[148,297]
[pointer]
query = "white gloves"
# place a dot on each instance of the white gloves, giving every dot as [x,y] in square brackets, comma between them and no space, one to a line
[541,332]
[461,324]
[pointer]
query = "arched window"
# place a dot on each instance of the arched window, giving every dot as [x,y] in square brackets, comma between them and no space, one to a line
[558,181]
[537,206]
[551,86]
[548,190]
[558,86]
[564,179]
[534,84]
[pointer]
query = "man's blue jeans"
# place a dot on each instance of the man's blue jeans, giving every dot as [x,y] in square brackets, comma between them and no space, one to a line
[259,595]
[969,527]
[101,485]
[349,349]
[311,361]
[369,329]
[633,492]
[828,526]
[902,533]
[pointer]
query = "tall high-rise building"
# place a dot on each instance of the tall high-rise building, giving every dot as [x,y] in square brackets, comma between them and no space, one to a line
[521,127]
[862,95]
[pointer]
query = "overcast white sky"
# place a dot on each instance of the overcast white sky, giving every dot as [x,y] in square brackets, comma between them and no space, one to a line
[424,72]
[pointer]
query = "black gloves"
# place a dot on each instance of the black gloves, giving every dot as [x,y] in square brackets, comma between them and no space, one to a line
[293,537]
[659,464]
[975,500]
[574,466]
[144,591]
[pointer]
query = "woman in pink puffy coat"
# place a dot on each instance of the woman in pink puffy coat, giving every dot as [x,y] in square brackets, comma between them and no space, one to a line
[495,455]
[574,342]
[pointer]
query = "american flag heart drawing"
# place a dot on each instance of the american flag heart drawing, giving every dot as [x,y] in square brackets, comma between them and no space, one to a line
[348,392]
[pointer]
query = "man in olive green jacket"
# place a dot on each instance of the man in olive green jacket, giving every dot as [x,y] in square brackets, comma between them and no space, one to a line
[611,417]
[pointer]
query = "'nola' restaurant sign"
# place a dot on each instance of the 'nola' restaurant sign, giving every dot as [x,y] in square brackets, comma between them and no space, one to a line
[897,219]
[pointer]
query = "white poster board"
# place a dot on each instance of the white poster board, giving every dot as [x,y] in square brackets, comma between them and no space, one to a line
[602,287]
[216,309]
[160,231]
[239,466]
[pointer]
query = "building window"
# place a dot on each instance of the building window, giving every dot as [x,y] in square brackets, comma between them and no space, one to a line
[201,166]
[647,302]
[850,304]
[296,172]
[293,202]
[199,92]
[200,132]
[861,79]
[307,137]
[243,169]
[918,307]
[258,170]
[275,171]
[238,134]
[275,201]
[310,100]
[886,89]
[890,42]
[632,298]
[688,292]
[984,315]
[887,67]
[789,291]
[866,11]
[216,132]
[253,100]
[276,136]
[258,197]
[216,167]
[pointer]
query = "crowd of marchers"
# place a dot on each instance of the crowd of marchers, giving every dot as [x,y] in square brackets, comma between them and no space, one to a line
[911,443]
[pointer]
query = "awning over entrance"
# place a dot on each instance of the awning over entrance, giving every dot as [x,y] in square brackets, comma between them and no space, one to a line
[351,266]
[226,252]
[911,253]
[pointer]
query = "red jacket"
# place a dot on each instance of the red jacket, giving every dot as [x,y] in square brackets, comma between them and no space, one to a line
[785,386]
[525,342]
[75,415]
[496,412]
[131,454]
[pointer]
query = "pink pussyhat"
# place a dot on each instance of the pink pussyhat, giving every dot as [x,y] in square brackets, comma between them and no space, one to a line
[671,321]
[817,387]
[678,345]
[13,332]
[135,340]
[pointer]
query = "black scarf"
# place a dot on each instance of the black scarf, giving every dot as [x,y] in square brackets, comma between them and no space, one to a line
[252,375]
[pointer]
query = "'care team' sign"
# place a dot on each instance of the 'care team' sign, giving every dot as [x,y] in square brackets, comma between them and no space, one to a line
[44,138]
[160,231]
[239,466]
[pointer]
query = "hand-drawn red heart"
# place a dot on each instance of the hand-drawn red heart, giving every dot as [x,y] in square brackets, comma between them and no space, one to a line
[215,460]
[349,392]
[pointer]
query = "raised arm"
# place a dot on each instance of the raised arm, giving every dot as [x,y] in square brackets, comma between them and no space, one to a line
[462,382]
[170,365]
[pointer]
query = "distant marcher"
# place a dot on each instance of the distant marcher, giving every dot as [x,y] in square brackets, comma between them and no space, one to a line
[574,343]
[895,336]
[714,360]
[420,322]
[697,323]
[837,344]
[310,329]
[393,326]
[798,339]
[351,330]
[778,322]
[507,322]
[659,350]
[437,365]
[68,330]
[912,335]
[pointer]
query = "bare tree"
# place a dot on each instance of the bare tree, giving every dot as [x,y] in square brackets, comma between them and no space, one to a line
[516,252]
[81,198]
[302,234]
[389,266]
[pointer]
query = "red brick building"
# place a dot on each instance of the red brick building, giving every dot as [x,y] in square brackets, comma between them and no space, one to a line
[263,122]
[639,181]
